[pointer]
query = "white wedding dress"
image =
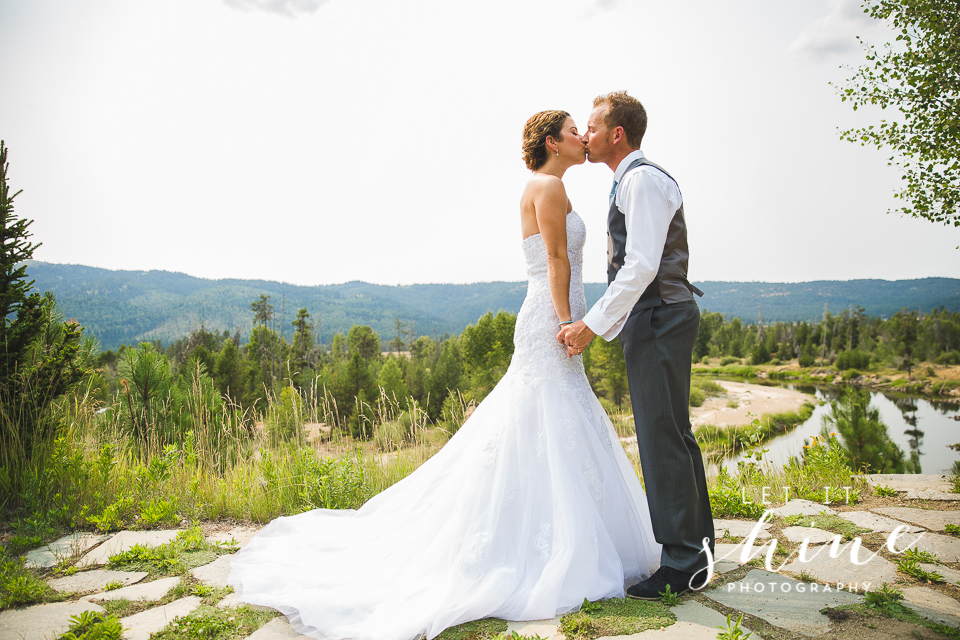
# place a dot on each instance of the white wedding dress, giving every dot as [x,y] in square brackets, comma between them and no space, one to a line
[531,507]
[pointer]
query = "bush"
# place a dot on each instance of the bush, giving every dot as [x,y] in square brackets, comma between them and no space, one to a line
[806,360]
[725,360]
[697,396]
[853,359]
[950,357]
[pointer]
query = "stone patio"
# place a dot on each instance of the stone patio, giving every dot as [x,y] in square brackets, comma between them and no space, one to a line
[775,597]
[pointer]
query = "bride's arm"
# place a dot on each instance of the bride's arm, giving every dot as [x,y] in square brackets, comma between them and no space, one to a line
[551,207]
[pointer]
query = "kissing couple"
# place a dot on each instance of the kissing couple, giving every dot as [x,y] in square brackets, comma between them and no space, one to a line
[533,505]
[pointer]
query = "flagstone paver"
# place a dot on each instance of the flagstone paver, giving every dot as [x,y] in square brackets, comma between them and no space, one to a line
[810,534]
[723,566]
[73,544]
[214,573]
[43,621]
[124,541]
[933,604]
[731,553]
[696,613]
[929,519]
[782,601]
[241,535]
[802,508]
[676,631]
[142,591]
[841,569]
[913,483]
[947,548]
[94,580]
[950,575]
[139,626]
[740,528]
[876,522]
[548,629]
[277,629]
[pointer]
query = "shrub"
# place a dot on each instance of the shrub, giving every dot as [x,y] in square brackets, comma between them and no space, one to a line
[697,396]
[725,360]
[92,625]
[852,359]
[949,357]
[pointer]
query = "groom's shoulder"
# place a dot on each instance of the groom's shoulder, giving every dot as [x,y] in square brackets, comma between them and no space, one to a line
[650,174]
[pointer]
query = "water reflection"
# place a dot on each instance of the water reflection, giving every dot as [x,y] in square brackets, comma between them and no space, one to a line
[923,428]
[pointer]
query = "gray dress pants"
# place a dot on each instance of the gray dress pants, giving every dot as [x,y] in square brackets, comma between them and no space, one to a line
[657,346]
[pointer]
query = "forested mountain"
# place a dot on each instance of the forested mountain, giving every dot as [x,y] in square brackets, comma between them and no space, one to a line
[130,306]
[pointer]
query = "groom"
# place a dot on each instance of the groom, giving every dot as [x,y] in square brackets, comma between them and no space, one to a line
[649,304]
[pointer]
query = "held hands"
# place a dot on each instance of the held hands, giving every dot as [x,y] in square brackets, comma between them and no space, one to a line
[576,337]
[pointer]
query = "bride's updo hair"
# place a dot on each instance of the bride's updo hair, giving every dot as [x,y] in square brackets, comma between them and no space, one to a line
[535,132]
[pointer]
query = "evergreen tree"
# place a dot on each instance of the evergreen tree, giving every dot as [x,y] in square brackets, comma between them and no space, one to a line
[364,341]
[262,311]
[228,372]
[21,312]
[302,340]
[866,442]
[391,381]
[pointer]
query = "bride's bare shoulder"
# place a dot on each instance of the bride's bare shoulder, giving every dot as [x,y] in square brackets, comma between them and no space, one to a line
[542,185]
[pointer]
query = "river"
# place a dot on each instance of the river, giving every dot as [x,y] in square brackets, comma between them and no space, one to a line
[914,423]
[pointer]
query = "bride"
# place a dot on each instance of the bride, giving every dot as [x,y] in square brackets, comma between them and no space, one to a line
[531,506]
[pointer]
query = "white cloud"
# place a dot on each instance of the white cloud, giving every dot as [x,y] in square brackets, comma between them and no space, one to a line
[285,7]
[836,33]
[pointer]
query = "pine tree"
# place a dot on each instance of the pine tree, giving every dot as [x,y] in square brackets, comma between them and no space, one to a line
[866,442]
[16,301]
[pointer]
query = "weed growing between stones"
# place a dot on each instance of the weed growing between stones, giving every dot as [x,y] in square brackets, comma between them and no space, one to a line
[827,522]
[886,597]
[884,491]
[733,631]
[891,608]
[188,550]
[207,622]
[912,567]
[485,629]
[20,585]
[669,598]
[616,617]
[93,625]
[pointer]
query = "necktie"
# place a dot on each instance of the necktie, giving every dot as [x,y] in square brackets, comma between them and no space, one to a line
[613,192]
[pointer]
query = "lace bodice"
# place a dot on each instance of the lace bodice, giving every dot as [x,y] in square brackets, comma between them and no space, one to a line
[536,350]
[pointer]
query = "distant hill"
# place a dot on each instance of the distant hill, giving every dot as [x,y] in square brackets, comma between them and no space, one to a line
[129,306]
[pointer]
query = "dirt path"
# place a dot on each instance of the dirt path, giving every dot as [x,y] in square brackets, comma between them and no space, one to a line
[755,399]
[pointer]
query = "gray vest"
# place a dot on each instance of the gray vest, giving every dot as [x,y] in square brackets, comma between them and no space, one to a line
[671,284]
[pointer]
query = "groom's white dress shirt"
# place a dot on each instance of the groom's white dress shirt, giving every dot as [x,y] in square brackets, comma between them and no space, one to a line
[648,200]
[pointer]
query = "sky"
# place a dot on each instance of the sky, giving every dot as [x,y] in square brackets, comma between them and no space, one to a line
[324,141]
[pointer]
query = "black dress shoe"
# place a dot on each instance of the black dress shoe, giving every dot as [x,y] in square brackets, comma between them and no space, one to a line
[652,587]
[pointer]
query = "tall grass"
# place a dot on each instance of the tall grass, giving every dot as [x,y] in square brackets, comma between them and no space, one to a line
[294,455]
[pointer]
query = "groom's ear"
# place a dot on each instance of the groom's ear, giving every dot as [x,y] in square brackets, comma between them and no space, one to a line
[618,134]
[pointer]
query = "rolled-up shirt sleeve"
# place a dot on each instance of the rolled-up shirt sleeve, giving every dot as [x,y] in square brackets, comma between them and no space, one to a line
[649,200]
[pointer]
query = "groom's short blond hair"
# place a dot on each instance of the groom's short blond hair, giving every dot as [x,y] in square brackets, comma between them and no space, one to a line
[624,111]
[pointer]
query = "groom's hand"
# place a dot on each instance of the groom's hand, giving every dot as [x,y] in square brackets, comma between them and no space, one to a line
[576,337]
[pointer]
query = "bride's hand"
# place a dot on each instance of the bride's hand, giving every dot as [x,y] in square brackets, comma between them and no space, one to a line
[576,337]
